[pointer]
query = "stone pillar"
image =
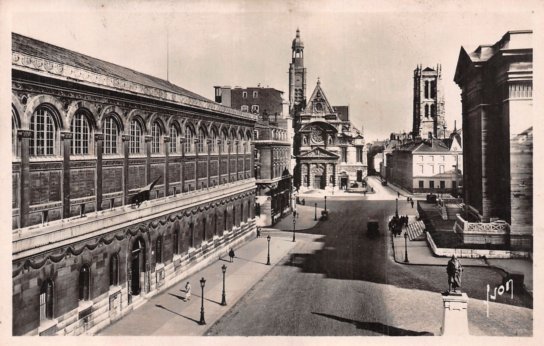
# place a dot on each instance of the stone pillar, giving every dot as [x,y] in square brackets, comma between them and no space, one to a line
[182,141]
[229,142]
[166,161]
[148,160]
[66,138]
[196,141]
[487,202]
[219,152]
[24,201]
[208,142]
[126,141]
[252,159]
[99,140]
[236,143]
[455,322]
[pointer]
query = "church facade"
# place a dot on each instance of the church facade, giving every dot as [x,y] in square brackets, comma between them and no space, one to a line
[330,152]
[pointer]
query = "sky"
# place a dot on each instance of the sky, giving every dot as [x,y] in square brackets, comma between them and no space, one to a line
[363,53]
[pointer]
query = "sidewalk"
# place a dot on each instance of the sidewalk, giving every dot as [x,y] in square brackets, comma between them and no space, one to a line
[169,314]
[305,218]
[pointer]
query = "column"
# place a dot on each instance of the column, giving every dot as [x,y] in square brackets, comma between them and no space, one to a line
[208,142]
[244,148]
[333,175]
[236,143]
[66,138]
[325,176]
[487,203]
[229,142]
[166,161]
[196,141]
[182,142]
[219,150]
[126,140]
[24,202]
[98,139]
[252,160]
[148,139]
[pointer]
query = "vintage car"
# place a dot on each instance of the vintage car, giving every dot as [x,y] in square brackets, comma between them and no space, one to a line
[372,228]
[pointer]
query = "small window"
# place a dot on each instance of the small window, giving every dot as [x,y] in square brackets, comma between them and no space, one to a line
[421,184]
[46,300]
[255,109]
[84,282]
[244,94]
[431,184]
[114,270]
[442,184]
[255,94]
[244,108]
[158,250]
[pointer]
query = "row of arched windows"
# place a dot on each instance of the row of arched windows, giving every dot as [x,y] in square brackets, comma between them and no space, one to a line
[45,128]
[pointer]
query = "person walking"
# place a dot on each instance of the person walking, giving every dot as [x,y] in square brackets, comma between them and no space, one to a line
[187,291]
[412,202]
[231,255]
[258,232]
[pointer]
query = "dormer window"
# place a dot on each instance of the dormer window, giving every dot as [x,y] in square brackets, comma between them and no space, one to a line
[255,94]
[244,94]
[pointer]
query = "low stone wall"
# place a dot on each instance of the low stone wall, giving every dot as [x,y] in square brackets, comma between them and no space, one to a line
[474,253]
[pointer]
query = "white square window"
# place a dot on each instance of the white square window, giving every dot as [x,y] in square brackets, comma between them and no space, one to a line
[255,94]
[255,109]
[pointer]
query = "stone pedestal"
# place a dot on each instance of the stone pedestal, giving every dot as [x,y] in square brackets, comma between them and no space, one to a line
[455,321]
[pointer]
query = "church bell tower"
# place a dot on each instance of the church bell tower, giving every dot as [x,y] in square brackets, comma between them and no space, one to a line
[297,77]
[429,116]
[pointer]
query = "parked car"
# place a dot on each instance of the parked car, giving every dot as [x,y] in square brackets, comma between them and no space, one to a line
[372,228]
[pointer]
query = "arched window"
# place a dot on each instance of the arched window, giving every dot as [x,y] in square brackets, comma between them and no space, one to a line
[114,270]
[204,224]
[241,212]
[433,110]
[13,134]
[189,138]
[158,250]
[215,224]
[192,230]
[84,282]
[426,110]
[201,140]
[156,138]
[225,139]
[173,139]
[213,143]
[135,141]
[233,215]
[44,133]
[225,218]
[46,300]
[81,134]
[111,134]
[176,241]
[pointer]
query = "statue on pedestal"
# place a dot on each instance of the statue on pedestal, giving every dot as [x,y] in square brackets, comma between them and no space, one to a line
[454,270]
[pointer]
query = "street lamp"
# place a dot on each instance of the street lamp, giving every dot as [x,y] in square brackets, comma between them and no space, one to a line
[202,320]
[325,203]
[315,217]
[397,208]
[223,298]
[294,225]
[406,247]
[268,257]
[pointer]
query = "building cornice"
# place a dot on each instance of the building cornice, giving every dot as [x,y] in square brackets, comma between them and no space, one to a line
[47,68]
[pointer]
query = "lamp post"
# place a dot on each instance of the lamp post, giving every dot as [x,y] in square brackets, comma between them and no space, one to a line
[294,226]
[325,203]
[397,208]
[268,257]
[406,247]
[202,320]
[315,215]
[223,297]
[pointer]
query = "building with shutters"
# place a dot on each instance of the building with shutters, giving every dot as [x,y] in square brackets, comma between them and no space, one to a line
[87,135]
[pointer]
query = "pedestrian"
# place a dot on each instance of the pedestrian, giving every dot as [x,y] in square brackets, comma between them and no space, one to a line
[231,255]
[258,232]
[412,202]
[398,194]
[303,201]
[187,291]
[408,199]
[364,193]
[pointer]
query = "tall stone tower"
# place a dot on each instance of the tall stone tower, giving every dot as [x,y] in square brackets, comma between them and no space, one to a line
[297,77]
[429,115]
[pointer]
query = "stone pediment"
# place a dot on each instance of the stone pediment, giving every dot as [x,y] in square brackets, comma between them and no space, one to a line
[319,153]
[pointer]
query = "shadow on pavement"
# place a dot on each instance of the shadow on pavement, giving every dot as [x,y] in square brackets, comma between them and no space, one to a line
[189,318]
[376,327]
